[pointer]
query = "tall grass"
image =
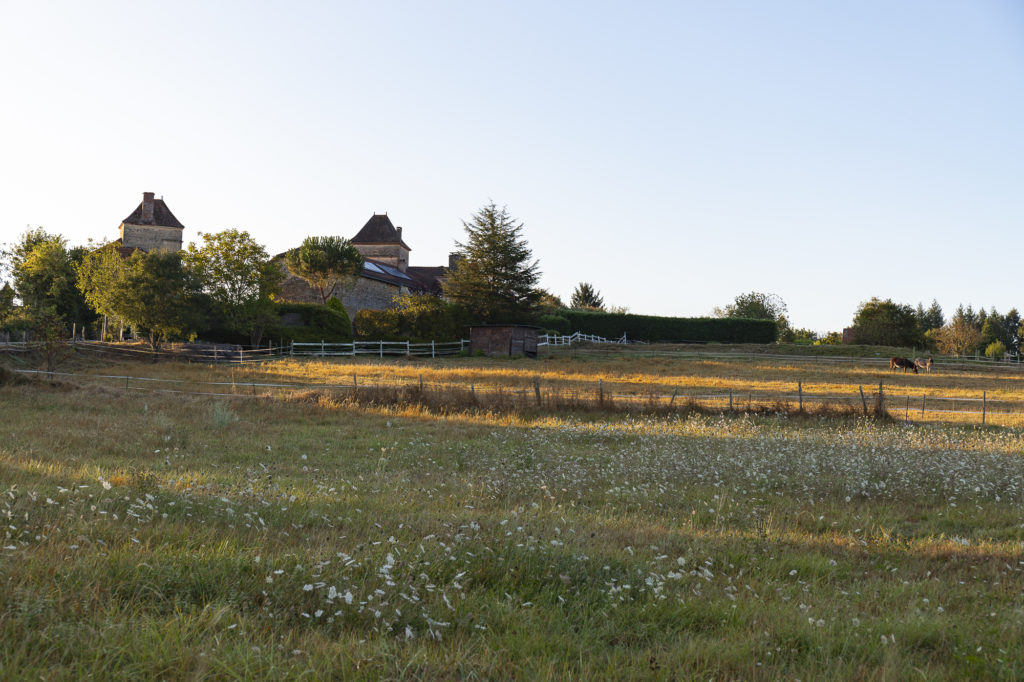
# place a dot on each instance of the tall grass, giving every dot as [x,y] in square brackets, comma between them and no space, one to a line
[176,536]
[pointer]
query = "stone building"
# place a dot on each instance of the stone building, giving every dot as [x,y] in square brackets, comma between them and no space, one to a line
[151,227]
[504,339]
[386,272]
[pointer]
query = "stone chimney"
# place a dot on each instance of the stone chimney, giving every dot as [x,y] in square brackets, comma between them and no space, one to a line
[399,231]
[147,208]
[453,259]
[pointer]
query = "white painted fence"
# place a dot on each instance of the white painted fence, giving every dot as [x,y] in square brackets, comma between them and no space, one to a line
[575,337]
[430,349]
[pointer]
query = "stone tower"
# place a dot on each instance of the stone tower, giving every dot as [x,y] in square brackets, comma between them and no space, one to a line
[381,241]
[151,227]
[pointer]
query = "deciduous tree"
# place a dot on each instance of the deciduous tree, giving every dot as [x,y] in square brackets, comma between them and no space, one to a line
[755,305]
[760,306]
[960,337]
[239,278]
[100,277]
[43,271]
[885,323]
[157,296]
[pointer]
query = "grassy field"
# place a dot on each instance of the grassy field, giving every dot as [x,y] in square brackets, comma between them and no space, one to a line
[765,383]
[312,536]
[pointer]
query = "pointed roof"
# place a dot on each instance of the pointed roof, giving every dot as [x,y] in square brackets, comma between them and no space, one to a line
[379,230]
[162,216]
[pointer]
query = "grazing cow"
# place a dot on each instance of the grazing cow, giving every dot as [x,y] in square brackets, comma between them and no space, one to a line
[923,363]
[895,363]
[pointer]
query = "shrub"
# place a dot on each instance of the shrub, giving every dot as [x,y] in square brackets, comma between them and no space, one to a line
[415,317]
[995,350]
[673,329]
[337,306]
[309,323]
[377,324]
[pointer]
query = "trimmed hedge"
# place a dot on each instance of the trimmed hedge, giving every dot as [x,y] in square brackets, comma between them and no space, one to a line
[554,323]
[672,329]
[319,323]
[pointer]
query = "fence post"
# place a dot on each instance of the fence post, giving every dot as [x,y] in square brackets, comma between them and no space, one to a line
[983,406]
[322,350]
[673,398]
[407,348]
[922,406]
[355,383]
[433,352]
[536,388]
[881,398]
[730,399]
[863,400]
[382,348]
[291,350]
[906,413]
[421,383]
[800,394]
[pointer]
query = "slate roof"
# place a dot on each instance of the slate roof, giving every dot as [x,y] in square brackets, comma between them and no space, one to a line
[382,272]
[162,216]
[379,230]
[427,277]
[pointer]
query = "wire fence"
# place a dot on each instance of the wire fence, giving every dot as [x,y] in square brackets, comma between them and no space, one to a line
[1014,363]
[555,395]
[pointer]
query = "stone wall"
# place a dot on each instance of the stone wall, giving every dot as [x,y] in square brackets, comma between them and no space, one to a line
[394,255]
[365,293]
[151,237]
[368,293]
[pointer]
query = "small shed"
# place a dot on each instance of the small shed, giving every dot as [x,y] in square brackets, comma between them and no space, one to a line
[504,339]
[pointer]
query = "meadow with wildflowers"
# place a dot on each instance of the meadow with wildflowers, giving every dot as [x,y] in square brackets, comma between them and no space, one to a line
[181,536]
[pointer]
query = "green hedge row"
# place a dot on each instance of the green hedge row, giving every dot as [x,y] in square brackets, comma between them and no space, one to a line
[317,323]
[423,322]
[670,329]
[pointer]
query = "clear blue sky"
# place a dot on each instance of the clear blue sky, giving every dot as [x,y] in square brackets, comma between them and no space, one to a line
[673,154]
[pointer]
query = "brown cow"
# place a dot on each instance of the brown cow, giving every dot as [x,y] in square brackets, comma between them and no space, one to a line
[906,364]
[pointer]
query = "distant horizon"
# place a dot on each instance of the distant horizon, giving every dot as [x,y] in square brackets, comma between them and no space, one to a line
[673,155]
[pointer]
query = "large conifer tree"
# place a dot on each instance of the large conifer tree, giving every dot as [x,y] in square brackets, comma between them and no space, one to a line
[496,277]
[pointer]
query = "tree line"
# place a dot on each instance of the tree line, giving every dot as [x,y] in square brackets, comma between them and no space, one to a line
[227,284]
[878,322]
[967,332]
